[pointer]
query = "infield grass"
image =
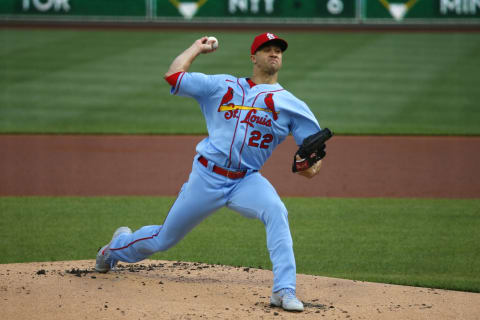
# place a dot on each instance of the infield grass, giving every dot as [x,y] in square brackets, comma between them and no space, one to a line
[100,81]
[420,242]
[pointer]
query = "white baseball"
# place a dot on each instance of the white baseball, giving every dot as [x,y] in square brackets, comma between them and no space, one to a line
[214,43]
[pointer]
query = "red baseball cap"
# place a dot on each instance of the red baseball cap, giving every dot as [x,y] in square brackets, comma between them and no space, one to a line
[267,37]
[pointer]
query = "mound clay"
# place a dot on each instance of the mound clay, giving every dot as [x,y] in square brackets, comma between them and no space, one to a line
[180,290]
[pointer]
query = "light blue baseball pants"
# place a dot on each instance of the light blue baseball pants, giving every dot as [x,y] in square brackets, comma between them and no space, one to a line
[252,196]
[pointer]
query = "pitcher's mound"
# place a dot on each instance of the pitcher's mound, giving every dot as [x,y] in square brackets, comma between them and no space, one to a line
[181,290]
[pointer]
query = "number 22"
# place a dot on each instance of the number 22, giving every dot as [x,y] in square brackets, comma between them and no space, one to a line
[257,135]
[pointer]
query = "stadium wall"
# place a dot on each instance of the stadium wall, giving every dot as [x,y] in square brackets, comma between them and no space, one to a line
[290,12]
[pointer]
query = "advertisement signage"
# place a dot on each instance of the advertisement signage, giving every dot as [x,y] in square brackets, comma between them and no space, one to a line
[87,8]
[257,9]
[276,11]
[400,10]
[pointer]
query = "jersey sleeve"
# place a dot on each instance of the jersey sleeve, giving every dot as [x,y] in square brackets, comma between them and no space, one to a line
[303,124]
[195,85]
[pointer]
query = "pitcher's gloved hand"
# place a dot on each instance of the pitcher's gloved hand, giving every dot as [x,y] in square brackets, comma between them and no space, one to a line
[311,151]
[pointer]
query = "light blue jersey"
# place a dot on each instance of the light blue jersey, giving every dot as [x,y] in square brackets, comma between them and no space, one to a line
[245,123]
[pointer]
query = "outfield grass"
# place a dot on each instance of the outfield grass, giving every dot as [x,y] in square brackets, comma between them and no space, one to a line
[69,81]
[421,242]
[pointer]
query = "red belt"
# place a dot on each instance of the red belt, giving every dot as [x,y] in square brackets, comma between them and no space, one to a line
[226,173]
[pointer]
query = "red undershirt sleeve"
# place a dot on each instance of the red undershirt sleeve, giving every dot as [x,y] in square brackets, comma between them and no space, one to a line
[172,79]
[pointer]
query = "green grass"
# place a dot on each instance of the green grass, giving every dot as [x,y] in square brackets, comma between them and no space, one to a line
[421,242]
[70,81]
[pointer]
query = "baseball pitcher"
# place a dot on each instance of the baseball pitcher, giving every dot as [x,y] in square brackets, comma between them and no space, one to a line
[246,119]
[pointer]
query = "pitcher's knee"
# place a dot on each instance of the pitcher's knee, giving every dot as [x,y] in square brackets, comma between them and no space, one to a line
[166,240]
[275,212]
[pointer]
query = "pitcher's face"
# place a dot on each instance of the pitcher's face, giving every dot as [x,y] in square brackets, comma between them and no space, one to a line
[268,59]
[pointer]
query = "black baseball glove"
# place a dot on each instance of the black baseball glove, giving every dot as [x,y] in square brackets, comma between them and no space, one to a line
[311,150]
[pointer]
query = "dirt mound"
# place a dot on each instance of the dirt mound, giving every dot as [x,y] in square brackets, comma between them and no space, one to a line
[181,290]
